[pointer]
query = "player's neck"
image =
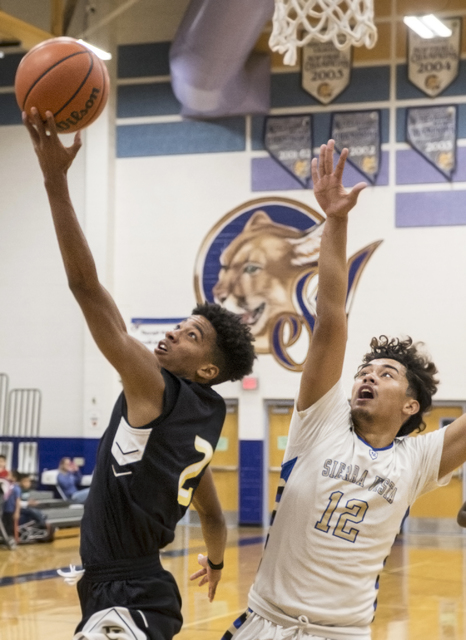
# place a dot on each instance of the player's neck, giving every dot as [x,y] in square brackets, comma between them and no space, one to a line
[377,436]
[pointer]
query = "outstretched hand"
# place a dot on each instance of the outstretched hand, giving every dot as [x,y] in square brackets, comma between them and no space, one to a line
[207,575]
[328,188]
[54,157]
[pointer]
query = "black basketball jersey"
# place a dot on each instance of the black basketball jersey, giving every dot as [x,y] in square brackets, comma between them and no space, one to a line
[144,477]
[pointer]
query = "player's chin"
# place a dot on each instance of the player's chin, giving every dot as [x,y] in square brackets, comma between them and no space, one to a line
[359,415]
[165,359]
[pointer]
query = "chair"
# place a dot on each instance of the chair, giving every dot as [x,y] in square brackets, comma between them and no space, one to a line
[64,513]
[49,478]
[30,532]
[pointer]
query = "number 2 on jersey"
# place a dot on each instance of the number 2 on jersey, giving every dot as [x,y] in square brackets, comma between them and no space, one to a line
[354,513]
[201,445]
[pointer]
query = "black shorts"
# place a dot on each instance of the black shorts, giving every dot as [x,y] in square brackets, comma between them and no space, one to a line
[137,594]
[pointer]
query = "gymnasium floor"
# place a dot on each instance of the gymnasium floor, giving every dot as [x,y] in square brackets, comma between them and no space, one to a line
[422,592]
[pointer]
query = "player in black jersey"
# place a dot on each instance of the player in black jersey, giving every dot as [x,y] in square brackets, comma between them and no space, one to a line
[161,437]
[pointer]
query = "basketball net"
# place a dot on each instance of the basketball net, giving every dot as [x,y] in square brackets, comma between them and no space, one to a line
[344,22]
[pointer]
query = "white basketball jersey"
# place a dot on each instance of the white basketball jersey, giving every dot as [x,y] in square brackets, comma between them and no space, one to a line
[339,508]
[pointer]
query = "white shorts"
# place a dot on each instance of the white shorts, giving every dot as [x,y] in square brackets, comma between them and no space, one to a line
[257,628]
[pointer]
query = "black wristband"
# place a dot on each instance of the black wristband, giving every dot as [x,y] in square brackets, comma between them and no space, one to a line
[215,567]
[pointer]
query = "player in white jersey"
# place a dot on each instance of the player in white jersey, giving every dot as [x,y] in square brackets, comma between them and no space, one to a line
[349,473]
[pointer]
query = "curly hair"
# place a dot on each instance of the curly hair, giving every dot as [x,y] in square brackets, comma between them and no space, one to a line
[420,372]
[234,352]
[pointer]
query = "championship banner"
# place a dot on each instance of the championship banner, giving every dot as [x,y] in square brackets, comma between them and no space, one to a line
[326,70]
[432,132]
[433,63]
[360,132]
[288,139]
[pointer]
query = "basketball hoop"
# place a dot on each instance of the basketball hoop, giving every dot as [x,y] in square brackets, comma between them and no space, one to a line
[343,22]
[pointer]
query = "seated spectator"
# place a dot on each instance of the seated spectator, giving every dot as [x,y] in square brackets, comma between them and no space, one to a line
[4,473]
[28,512]
[69,478]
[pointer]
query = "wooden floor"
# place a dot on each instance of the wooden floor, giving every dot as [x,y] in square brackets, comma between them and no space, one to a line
[422,591]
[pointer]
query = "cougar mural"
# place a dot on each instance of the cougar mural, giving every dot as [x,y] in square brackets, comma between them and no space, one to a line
[259,269]
[261,262]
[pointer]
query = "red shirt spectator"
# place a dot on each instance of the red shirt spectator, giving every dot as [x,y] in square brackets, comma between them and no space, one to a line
[4,473]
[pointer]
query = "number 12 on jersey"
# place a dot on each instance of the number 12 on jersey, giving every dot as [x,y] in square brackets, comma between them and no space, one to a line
[354,513]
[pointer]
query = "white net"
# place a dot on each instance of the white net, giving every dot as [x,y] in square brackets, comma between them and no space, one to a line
[344,22]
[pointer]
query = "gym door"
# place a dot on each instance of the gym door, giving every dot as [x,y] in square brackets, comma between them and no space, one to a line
[279,416]
[224,465]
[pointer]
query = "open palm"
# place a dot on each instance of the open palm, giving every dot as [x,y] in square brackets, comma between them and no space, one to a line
[328,188]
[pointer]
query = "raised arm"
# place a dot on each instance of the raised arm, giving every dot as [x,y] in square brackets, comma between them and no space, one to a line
[454,448]
[138,367]
[324,361]
[214,531]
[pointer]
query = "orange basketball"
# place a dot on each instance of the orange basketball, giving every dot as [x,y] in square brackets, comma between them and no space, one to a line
[63,76]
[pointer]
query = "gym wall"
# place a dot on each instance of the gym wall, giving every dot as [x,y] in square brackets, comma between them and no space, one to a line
[149,186]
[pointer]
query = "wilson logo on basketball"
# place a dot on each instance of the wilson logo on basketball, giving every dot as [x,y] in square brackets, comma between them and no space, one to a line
[76,116]
[261,262]
[64,76]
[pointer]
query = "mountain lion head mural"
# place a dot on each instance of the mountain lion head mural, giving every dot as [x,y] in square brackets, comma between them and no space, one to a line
[261,262]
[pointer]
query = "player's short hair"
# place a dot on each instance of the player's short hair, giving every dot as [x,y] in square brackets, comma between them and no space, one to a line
[234,351]
[420,373]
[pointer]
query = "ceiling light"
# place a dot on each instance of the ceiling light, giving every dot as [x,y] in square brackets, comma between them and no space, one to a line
[418,27]
[437,26]
[427,26]
[9,43]
[103,55]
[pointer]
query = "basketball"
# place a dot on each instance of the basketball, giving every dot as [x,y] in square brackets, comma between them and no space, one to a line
[63,76]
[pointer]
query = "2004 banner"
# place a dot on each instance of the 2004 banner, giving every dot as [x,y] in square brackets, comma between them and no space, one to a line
[433,63]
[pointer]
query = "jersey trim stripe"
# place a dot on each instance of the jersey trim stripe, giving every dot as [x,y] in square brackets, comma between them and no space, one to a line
[285,473]
[236,625]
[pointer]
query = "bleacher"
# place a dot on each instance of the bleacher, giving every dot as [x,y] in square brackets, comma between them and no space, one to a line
[60,513]
[20,411]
